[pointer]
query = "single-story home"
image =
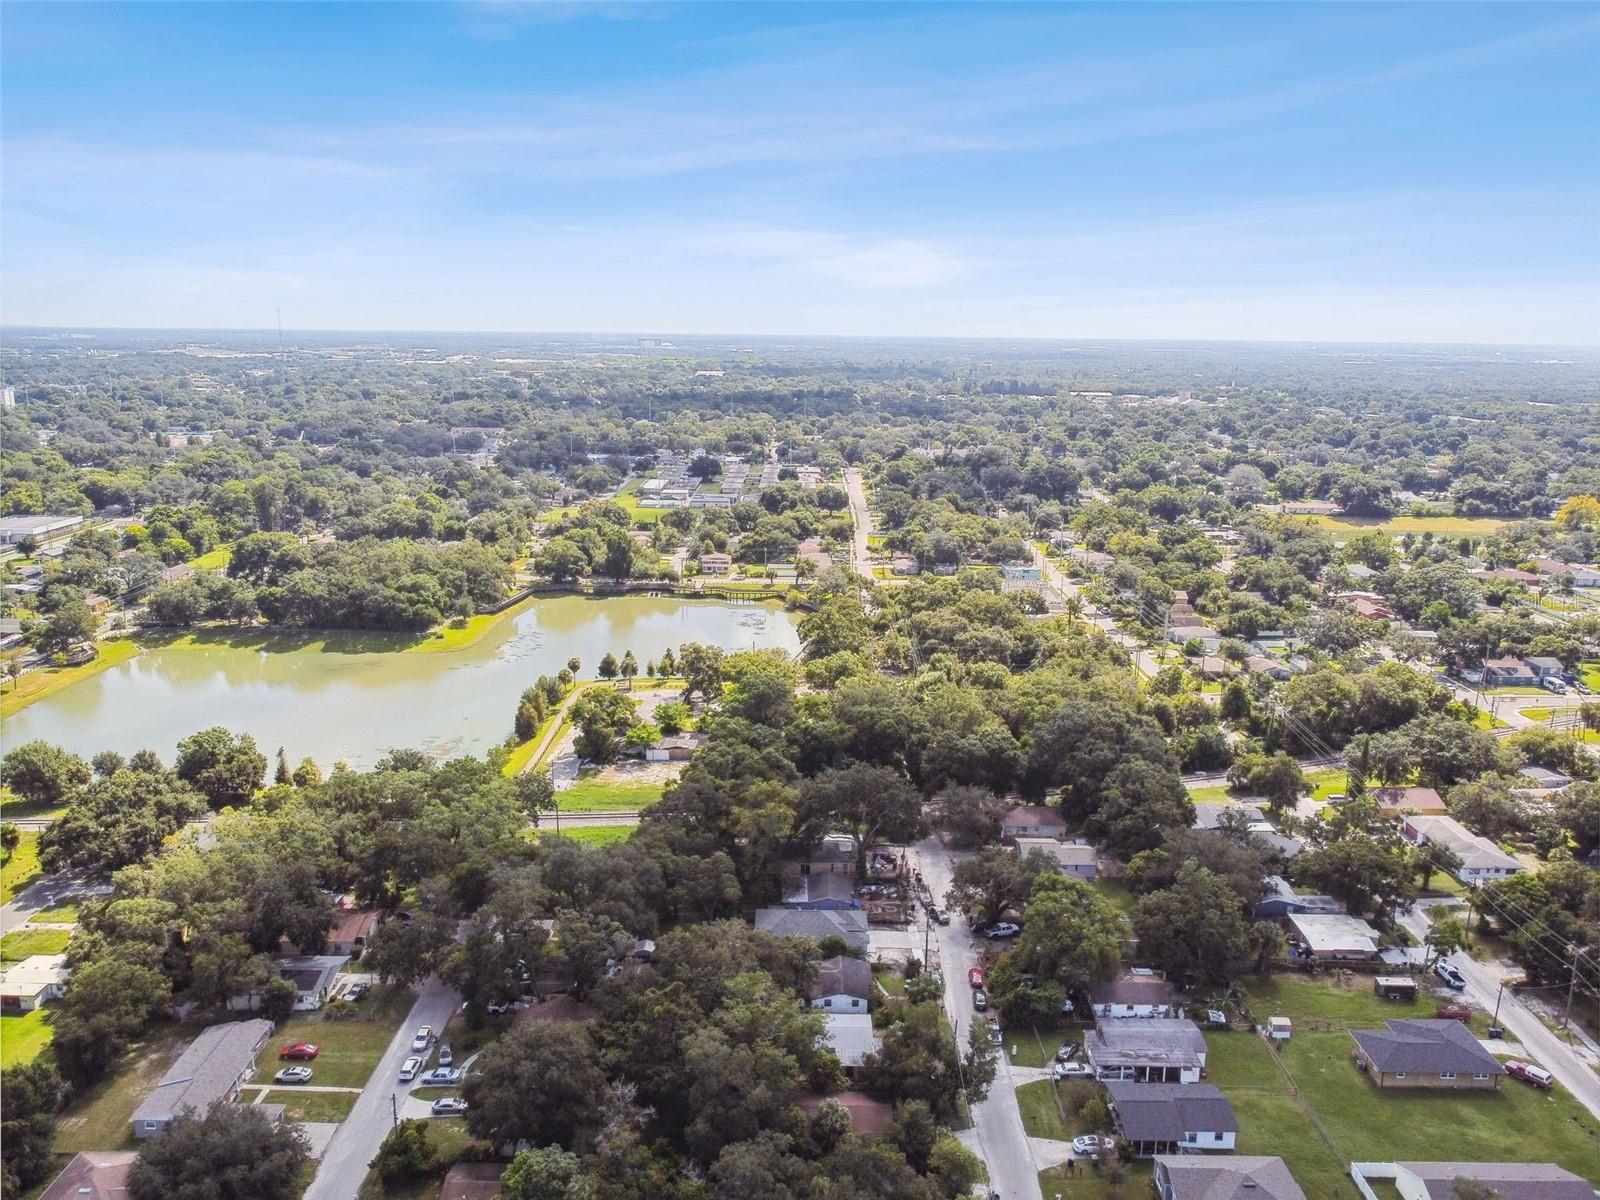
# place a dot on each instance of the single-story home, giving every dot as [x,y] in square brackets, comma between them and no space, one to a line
[208,1072]
[842,985]
[1508,672]
[851,1037]
[93,1175]
[829,856]
[820,891]
[313,976]
[1172,1118]
[1546,667]
[472,1181]
[1272,668]
[1512,1180]
[1208,814]
[1238,1177]
[1136,992]
[1543,778]
[816,924]
[1481,859]
[1281,900]
[1073,858]
[351,931]
[1156,1050]
[1371,609]
[36,980]
[1335,937]
[1033,820]
[1426,1054]
[676,747]
[1392,801]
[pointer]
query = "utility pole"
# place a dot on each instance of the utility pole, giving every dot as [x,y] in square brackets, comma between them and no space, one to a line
[394,1109]
[1572,984]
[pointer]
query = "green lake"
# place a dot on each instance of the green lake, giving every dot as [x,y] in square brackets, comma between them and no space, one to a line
[353,706]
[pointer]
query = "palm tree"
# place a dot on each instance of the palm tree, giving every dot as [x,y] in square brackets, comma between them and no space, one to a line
[629,667]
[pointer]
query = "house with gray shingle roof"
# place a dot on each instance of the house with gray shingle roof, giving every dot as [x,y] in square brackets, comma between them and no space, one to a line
[1514,1181]
[1426,1054]
[208,1072]
[1171,1118]
[816,924]
[1237,1177]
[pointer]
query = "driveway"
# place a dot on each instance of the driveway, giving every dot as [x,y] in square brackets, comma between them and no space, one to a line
[356,1142]
[997,1135]
[1570,1067]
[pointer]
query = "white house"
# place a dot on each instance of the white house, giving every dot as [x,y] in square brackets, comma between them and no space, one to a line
[35,980]
[1072,858]
[1481,859]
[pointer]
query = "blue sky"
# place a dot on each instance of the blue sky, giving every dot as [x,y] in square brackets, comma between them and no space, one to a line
[1336,172]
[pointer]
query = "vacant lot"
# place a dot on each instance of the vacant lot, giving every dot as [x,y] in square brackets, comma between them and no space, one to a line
[14,947]
[21,867]
[1041,1116]
[598,795]
[350,1046]
[1395,526]
[449,1138]
[24,1036]
[1087,1183]
[593,835]
[1037,1047]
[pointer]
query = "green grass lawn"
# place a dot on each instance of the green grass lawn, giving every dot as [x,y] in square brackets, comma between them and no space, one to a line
[1041,1116]
[889,979]
[312,1106]
[14,947]
[1589,674]
[1087,1183]
[58,914]
[214,560]
[1116,892]
[1536,714]
[592,835]
[20,868]
[352,1045]
[1325,783]
[24,1036]
[1517,691]
[593,795]
[98,1118]
[1304,999]
[1037,1047]
[36,685]
[1394,526]
[1218,793]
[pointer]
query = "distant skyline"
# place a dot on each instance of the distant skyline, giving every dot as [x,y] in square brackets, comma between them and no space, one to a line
[1365,173]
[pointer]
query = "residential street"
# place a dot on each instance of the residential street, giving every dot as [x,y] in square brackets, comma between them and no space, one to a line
[344,1166]
[862,517]
[1569,1067]
[1054,576]
[997,1134]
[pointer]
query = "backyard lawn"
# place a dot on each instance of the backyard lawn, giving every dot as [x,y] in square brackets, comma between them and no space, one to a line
[312,1106]
[24,1035]
[14,947]
[1087,1183]
[21,868]
[593,795]
[99,1119]
[1394,526]
[351,1045]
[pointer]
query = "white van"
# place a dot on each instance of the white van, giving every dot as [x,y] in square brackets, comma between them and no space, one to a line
[409,1069]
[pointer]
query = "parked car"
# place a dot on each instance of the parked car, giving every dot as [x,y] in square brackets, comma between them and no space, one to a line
[996,1034]
[1072,1070]
[423,1039]
[975,976]
[441,1076]
[1004,929]
[357,991]
[449,1106]
[293,1075]
[497,1007]
[1091,1143]
[300,1050]
[940,916]
[409,1069]
[1528,1073]
[446,1054]
[1452,978]
[980,1000]
[1069,1051]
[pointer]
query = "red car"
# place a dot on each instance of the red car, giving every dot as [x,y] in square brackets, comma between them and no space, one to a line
[975,976]
[299,1050]
[1528,1073]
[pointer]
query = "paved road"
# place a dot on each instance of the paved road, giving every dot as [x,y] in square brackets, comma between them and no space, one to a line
[555,822]
[859,513]
[997,1133]
[49,890]
[1057,579]
[1569,1067]
[344,1166]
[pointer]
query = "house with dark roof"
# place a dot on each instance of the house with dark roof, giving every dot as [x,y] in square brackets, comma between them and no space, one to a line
[1154,1050]
[1033,820]
[1237,1177]
[1545,667]
[829,856]
[472,1181]
[208,1072]
[1508,672]
[352,929]
[1173,1118]
[820,891]
[816,924]
[94,1175]
[1426,1054]
[1137,992]
[842,985]
[313,976]
[1437,1180]
[1281,900]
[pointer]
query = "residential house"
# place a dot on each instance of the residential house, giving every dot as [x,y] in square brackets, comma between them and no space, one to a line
[1544,667]
[1506,575]
[1211,666]
[1208,638]
[472,1181]
[1306,508]
[1072,858]
[313,976]
[1370,608]
[816,924]
[1395,801]
[1021,571]
[842,985]
[820,891]
[1507,672]
[352,930]
[1136,992]
[1208,814]
[1238,1177]
[851,1037]
[714,562]
[1543,778]
[208,1072]
[830,856]
[1335,937]
[94,1175]
[903,564]
[1281,900]
[1155,1050]
[1033,821]
[1426,1054]
[37,979]
[1437,1180]
[1272,668]
[676,747]
[1173,1118]
[1480,859]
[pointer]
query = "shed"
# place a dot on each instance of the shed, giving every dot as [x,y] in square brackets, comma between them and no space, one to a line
[1395,987]
[1280,1029]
